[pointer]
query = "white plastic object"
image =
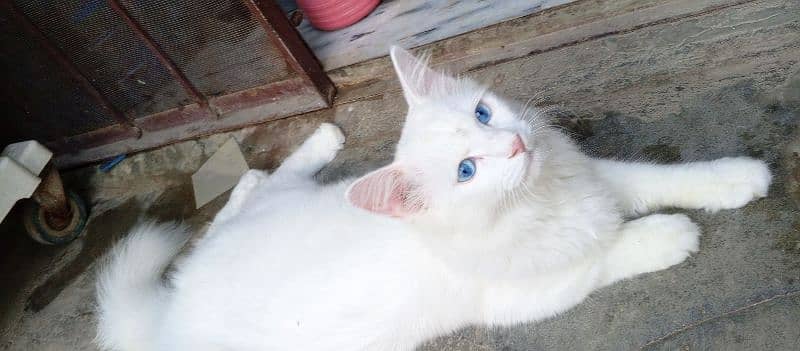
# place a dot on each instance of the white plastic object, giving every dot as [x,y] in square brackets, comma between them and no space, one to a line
[16,182]
[30,154]
[20,165]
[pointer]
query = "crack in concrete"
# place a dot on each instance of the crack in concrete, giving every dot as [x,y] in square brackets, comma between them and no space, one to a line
[736,311]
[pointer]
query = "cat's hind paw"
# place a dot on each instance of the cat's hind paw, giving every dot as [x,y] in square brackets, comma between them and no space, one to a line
[673,238]
[650,244]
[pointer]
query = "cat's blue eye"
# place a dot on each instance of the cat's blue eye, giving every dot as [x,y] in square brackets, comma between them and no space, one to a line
[466,170]
[482,113]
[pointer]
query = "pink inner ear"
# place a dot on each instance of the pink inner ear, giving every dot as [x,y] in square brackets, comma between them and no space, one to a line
[385,191]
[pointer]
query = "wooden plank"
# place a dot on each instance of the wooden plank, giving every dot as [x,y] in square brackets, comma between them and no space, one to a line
[412,23]
[541,32]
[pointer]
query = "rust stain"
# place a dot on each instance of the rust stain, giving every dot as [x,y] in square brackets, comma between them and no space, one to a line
[175,117]
[260,95]
[92,139]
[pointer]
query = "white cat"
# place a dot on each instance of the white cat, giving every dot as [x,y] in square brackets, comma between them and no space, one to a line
[486,216]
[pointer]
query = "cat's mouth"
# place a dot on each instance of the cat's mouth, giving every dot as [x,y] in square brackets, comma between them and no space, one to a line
[520,168]
[530,163]
[523,162]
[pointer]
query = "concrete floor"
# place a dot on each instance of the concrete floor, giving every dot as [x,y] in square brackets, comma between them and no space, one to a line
[723,80]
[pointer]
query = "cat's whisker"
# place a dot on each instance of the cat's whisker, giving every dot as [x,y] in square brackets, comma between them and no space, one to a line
[527,189]
[539,129]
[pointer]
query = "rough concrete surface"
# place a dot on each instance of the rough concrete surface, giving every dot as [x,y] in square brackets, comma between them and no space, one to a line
[726,82]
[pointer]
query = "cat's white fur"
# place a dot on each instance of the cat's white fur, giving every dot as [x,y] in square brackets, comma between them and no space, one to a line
[407,252]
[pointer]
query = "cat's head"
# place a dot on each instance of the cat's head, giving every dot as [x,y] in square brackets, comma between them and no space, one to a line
[462,150]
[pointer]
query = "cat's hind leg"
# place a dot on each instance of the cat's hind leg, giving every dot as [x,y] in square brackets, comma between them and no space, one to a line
[315,152]
[249,181]
[725,183]
[649,244]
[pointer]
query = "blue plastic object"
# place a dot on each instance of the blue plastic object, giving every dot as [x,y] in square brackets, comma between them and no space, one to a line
[108,165]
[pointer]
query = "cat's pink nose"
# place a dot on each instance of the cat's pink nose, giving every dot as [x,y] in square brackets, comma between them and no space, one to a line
[517,146]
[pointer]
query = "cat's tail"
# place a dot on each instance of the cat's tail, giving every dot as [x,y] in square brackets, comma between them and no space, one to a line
[130,291]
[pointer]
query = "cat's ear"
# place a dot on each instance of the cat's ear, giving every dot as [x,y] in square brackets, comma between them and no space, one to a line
[416,78]
[387,191]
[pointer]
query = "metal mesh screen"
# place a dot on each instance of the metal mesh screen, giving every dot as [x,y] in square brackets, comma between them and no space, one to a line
[108,53]
[216,43]
[40,101]
[64,61]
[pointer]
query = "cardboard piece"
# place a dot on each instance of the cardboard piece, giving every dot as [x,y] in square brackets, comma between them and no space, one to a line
[219,174]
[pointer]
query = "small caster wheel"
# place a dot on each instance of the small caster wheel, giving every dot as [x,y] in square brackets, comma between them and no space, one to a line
[37,226]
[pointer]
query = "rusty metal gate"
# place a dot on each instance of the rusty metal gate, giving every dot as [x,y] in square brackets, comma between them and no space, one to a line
[95,78]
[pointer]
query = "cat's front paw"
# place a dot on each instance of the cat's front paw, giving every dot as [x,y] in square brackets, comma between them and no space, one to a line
[738,180]
[326,141]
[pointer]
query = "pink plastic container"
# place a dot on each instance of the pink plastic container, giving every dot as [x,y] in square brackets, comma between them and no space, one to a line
[335,14]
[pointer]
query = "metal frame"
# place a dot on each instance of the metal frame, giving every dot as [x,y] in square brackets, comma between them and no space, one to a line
[207,114]
[293,49]
[65,63]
